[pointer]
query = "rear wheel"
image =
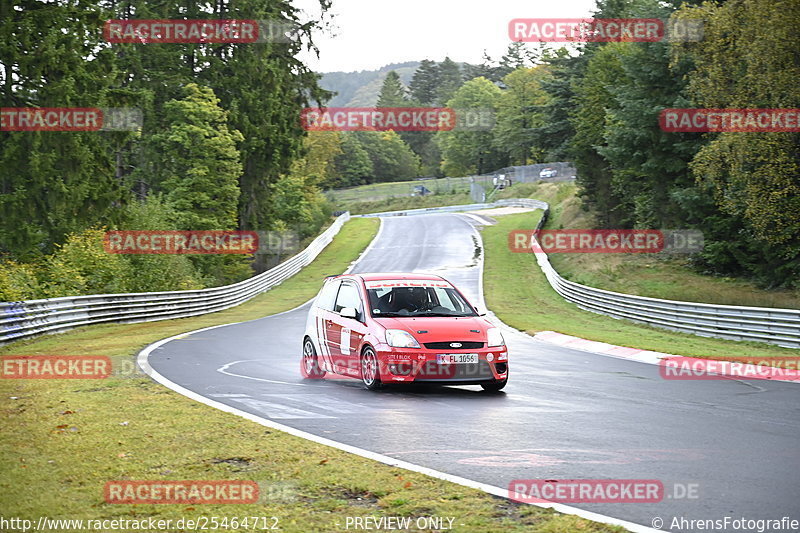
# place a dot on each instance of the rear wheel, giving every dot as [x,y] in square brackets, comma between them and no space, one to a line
[494,386]
[309,364]
[370,373]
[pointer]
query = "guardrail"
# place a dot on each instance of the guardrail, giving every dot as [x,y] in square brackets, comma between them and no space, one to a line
[24,319]
[762,324]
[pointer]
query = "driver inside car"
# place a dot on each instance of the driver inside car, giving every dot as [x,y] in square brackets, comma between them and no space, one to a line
[411,299]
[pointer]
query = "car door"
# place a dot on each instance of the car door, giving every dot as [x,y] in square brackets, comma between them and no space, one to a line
[346,333]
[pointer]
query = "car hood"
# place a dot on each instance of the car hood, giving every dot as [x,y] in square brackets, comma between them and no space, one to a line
[440,329]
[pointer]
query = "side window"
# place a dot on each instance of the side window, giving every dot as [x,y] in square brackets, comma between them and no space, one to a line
[328,294]
[348,297]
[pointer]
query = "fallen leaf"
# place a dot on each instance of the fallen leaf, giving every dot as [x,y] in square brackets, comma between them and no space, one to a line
[323,461]
[407,485]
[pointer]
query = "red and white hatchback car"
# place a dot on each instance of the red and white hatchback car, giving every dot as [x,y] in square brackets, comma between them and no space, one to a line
[401,328]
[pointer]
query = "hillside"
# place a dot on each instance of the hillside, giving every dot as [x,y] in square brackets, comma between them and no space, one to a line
[361,88]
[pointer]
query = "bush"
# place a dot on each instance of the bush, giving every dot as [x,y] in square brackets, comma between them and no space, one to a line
[19,281]
[159,272]
[82,266]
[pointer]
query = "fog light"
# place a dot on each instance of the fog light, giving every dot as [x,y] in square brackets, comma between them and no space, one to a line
[490,357]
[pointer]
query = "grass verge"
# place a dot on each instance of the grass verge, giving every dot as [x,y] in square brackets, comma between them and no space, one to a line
[64,439]
[397,204]
[518,292]
[655,276]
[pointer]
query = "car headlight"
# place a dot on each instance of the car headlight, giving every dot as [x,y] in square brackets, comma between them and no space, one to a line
[494,337]
[400,339]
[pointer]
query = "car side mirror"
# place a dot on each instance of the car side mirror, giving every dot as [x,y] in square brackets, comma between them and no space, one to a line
[349,312]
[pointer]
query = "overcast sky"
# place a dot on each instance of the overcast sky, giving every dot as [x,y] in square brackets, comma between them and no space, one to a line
[372,33]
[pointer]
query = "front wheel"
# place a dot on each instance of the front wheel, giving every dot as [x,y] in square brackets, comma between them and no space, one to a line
[370,373]
[309,364]
[494,386]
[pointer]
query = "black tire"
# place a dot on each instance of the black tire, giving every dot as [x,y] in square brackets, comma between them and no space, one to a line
[309,363]
[494,386]
[370,369]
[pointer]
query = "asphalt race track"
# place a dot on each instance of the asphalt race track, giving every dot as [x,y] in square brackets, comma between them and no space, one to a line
[565,414]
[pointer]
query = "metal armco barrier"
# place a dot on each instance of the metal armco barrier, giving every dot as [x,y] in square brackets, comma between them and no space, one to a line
[19,320]
[764,324]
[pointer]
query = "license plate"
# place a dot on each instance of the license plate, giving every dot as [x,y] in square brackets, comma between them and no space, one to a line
[456,358]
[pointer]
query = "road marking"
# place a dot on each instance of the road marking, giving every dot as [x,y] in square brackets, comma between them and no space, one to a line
[328,403]
[224,370]
[277,410]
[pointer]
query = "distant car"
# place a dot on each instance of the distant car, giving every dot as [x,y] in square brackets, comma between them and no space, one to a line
[401,328]
[548,173]
[420,190]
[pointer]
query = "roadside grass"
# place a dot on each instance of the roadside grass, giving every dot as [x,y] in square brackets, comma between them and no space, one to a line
[378,191]
[400,203]
[518,292]
[64,439]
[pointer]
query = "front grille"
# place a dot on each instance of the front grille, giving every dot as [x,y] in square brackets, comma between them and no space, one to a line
[465,345]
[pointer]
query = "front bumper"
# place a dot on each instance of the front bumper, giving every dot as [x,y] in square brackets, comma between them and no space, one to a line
[404,365]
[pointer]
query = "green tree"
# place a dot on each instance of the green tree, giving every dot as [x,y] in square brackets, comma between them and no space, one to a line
[199,161]
[518,113]
[469,152]
[352,166]
[450,79]
[517,56]
[593,100]
[425,83]
[393,92]
[55,183]
[392,159]
[748,59]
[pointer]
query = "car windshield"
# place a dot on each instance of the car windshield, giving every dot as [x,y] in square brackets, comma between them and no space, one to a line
[416,299]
